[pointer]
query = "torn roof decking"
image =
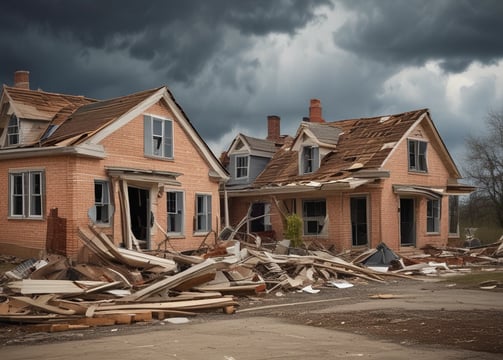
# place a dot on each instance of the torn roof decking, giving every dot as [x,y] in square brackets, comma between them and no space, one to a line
[362,141]
[89,118]
[41,105]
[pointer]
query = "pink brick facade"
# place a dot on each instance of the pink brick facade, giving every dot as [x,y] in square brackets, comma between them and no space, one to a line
[69,186]
[382,200]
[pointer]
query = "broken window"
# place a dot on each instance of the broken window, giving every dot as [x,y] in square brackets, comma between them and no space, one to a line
[260,217]
[174,202]
[13,130]
[433,216]
[310,159]
[26,194]
[102,202]
[314,213]
[417,155]
[203,213]
[158,137]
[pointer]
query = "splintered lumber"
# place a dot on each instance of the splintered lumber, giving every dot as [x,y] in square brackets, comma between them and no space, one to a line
[100,244]
[28,286]
[170,282]
[168,305]
[41,303]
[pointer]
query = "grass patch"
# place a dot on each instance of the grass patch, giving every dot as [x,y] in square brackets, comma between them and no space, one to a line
[475,278]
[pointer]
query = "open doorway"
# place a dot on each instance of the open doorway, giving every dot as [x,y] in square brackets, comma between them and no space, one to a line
[141,217]
[359,226]
[407,222]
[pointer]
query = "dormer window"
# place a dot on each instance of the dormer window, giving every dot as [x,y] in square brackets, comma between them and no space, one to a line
[13,130]
[241,167]
[417,156]
[310,159]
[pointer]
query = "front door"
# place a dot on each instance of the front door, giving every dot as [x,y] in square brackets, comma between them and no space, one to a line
[139,210]
[359,226]
[407,222]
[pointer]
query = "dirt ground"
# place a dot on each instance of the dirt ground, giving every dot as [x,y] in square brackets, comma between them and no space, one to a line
[429,316]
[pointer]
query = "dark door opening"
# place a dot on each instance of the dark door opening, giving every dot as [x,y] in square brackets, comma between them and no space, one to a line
[139,210]
[407,223]
[359,226]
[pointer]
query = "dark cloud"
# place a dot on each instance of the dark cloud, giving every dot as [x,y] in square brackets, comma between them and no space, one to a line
[178,37]
[454,32]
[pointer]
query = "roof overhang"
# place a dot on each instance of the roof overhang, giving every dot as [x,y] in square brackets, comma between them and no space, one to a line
[460,189]
[294,188]
[412,190]
[86,150]
[166,178]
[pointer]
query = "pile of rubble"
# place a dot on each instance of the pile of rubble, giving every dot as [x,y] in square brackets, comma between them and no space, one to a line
[120,286]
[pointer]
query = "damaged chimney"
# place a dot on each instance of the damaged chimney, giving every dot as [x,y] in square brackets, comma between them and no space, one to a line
[273,128]
[315,111]
[22,79]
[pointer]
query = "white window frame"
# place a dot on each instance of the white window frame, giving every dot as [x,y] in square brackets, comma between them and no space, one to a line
[103,203]
[433,212]
[158,137]
[418,161]
[309,159]
[31,194]
[13,130]
[242,170]
[203,213]
[177,213]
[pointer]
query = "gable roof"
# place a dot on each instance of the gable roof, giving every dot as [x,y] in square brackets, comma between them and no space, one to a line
[362,144]
[255,146]
[84,122]
[323,133]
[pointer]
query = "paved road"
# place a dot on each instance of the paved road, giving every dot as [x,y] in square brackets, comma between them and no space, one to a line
[252,335]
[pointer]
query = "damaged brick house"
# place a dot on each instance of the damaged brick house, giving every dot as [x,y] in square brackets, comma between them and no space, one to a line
[354,183]
[134,166]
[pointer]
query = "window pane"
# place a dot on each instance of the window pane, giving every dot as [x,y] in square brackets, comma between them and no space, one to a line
[102,202]
[157,127]
[17,194]
[203,218]
[314,213]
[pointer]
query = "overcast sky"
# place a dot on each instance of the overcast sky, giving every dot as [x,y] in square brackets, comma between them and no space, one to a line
[231,63]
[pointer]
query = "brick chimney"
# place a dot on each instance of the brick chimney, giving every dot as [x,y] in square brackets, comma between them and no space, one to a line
[315,111]
[273,128]
[22,79]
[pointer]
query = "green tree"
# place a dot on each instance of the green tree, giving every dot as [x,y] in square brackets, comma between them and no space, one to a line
[485,163]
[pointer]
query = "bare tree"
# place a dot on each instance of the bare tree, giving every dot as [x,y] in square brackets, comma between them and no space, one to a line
[485,163]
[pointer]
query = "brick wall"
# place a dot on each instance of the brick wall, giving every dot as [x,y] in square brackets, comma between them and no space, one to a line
[70,188]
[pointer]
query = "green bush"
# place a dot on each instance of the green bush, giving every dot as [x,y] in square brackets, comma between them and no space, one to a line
[294,230]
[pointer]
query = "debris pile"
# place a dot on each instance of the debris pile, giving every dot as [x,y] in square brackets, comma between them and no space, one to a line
[120,286]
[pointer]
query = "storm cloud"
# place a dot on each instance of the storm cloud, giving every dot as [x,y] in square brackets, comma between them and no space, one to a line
[232,63]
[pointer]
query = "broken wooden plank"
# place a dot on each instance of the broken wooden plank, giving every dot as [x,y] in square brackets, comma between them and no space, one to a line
[41,303]
[169,282]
